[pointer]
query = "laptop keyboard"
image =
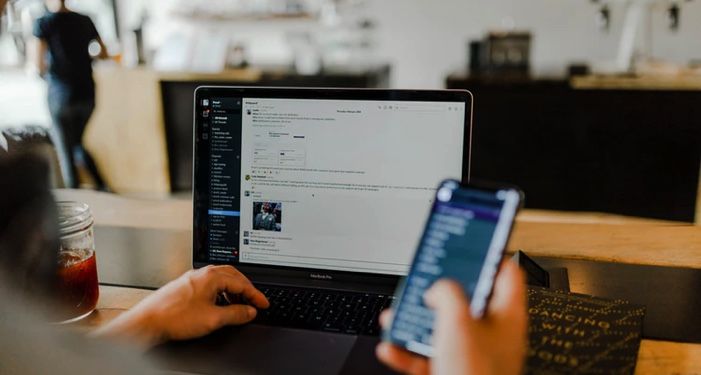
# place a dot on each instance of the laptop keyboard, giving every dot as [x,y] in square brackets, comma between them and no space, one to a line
[323,310]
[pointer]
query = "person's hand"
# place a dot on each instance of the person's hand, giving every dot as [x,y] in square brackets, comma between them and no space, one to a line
[185,308]
[495,344]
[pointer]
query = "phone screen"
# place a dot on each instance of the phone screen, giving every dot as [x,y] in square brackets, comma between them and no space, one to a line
[464,240]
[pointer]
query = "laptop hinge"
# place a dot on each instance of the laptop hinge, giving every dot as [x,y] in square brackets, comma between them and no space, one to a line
[299,282]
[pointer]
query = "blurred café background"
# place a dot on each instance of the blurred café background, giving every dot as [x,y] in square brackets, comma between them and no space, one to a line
[587,105]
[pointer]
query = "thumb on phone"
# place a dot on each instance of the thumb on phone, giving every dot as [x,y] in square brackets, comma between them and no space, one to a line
[447,298]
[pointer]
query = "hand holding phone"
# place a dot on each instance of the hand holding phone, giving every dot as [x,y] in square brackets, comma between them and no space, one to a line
[464,240]
[495,344]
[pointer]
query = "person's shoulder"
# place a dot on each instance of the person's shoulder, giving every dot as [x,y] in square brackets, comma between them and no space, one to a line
[45,18]
[42,25]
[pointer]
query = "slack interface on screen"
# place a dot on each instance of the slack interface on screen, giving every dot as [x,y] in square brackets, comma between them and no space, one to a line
[221,135]
[330,184]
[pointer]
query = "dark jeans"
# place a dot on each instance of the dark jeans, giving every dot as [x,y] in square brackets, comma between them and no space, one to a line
[70,117]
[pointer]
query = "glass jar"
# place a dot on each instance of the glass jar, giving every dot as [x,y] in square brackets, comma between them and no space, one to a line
[77,287]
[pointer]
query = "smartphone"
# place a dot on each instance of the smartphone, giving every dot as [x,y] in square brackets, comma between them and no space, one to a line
[464,239]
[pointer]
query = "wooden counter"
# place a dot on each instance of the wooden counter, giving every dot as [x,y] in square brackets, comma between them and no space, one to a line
[584,236]
[127,134]
[677,82]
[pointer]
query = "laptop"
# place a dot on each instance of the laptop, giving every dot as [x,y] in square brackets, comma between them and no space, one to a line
[319,197]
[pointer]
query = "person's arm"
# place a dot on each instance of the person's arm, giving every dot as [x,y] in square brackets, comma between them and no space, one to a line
[185,308]
[103,55]
[39,47]
[495,344]
[95,35]
[39,58]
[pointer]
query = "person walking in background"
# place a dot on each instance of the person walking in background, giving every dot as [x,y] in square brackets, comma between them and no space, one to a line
[62,57]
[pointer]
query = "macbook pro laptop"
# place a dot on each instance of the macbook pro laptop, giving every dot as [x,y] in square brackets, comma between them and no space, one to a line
[319,197]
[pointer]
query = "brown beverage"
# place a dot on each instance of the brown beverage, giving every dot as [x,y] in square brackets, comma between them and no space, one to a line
[77,287]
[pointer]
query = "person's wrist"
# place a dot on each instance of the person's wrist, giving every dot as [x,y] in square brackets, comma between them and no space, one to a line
[149,324]
[138,326]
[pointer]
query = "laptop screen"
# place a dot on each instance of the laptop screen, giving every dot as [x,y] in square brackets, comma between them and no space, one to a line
[333,184]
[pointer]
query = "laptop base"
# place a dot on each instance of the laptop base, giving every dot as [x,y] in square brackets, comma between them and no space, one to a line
[258,349]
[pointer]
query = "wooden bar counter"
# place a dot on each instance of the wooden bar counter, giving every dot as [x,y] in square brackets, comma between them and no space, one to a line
[580,235]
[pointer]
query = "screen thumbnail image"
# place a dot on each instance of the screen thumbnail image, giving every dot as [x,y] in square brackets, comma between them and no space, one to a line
[267,216]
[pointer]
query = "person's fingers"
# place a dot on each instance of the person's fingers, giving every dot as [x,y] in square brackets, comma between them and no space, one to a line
[254,296]
[235,314]
[386,318]
[396,358]
[448,300]
[401,360]
[237,285]
[508,305]
[233,272]
[453,321]
[509,298]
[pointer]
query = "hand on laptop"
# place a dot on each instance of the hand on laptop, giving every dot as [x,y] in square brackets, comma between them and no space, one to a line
[185,308]
[495,344]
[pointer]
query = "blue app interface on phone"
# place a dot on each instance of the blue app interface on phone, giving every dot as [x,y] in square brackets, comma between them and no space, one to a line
[461,230]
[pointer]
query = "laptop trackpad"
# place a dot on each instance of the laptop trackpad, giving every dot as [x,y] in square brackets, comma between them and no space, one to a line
[258,349]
